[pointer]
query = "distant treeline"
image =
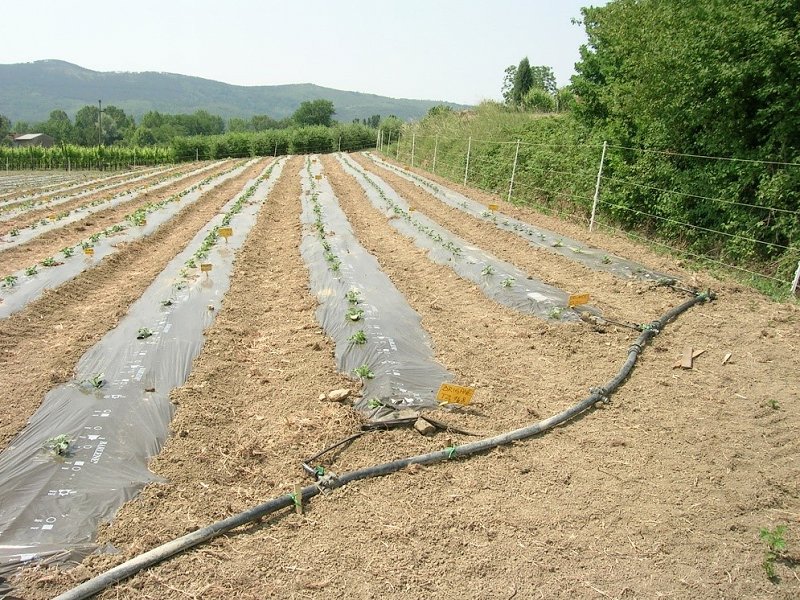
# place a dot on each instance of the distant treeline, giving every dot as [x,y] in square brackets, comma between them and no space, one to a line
[113,127]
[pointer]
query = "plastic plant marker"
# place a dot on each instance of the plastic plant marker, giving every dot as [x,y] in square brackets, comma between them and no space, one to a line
[411,209]
[577,300]
[205,267]
[455,394]
[317,176]
[493,207]
[88,251]
[225,232]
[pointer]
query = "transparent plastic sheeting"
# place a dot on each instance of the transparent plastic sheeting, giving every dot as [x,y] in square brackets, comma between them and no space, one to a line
[30,287]
[50,506]
[26,234]
[590,256]
[397,349]
[12,212]
[501,281]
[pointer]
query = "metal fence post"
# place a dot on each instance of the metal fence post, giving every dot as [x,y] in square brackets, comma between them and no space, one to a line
[413,146]
[597,187]
[513,171]
[466,168]
[435,149]
[796,278]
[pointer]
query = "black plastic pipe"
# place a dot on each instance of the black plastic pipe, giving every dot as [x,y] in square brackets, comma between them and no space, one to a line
[165,551]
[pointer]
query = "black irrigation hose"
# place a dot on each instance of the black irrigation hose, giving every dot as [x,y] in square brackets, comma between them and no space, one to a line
[165,551]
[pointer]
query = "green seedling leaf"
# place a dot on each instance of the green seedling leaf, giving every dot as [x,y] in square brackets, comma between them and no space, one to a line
[143,333]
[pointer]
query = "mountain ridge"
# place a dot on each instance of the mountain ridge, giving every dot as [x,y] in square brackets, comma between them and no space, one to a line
[30,91]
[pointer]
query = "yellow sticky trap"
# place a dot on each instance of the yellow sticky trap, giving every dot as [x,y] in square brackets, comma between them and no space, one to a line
[88,251]
[455,394]
[205,267]
[577,300]
[494,207]
[225,232]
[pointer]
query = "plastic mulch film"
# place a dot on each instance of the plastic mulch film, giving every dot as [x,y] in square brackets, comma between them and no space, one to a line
[501,281]
[22,205]
[589,256]
[29,287]
[51,501]
[57,220]
[375,330]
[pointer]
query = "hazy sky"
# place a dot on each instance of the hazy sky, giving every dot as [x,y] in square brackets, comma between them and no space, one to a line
[432,49]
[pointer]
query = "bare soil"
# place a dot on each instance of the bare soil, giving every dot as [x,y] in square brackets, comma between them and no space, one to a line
[660,493]
[51,242]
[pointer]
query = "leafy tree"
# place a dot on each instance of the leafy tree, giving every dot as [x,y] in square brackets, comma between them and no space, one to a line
[236,125]
[544,79]
[314,112]
[58,126]
[439,109]
[508,83]
[5,130]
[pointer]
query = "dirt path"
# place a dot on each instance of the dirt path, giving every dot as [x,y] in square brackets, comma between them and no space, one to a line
[35,214]
[660,493]
[51,242]
[40,345]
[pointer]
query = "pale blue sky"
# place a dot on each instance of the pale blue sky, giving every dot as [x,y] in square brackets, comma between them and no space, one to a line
[436,49]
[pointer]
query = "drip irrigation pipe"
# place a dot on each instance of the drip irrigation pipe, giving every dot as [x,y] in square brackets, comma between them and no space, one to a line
[332,481]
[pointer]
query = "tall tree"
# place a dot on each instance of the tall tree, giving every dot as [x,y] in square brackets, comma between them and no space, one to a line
[508,83]
[5,130]
[58,126]
[314,112]
[523,81]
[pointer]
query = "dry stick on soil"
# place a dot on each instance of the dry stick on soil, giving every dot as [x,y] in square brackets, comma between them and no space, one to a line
[40,345]
[50,243]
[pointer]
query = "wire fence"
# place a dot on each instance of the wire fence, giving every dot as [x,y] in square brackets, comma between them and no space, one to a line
[738,214]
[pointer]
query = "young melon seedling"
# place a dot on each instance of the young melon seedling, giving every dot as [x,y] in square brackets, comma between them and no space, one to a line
[352,297]
[50,262]
[166,302]
[359,337]
[58,445]
[14,232]
[31,271]
[508,282]
[374,403]
[97,381]
[68,251]
[143,333]
[9,281]
[555,312]
[487,270]
[364,372]
[354,314]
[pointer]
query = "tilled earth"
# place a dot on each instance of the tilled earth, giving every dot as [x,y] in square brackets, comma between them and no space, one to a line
[660,493]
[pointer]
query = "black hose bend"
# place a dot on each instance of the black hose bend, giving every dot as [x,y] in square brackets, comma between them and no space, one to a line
[165,551]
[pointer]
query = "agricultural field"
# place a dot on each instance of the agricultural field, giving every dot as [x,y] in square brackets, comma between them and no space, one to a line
[200,332]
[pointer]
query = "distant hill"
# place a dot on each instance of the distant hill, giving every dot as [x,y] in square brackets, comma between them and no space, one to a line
[29,91]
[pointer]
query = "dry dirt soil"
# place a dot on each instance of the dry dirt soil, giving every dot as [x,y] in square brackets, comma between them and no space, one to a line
[661,493]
